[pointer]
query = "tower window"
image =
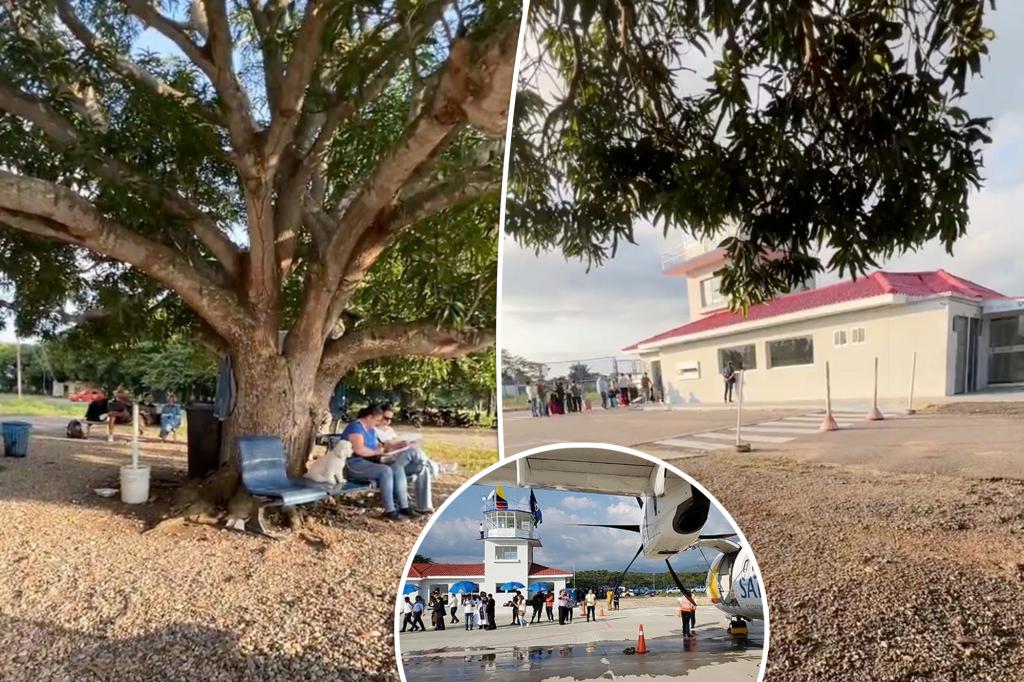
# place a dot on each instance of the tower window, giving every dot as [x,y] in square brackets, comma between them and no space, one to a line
[506,553]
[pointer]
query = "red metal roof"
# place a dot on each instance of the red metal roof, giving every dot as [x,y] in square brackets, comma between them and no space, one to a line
[929,283]
[424,570]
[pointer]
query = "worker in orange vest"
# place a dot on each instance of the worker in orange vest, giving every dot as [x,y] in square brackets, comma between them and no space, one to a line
[688,613]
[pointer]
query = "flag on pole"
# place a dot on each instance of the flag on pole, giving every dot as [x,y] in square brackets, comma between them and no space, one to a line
[535,509]
[500,501]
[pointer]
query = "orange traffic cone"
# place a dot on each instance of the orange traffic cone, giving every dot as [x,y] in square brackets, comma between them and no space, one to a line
[641,643]
[600,613]
[583,609]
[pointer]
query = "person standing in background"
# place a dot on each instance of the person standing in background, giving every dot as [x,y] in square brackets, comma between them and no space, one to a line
[531,396]
[453,603]
[549,604]
[406,614]
[542,399]
[591,601]
[729,375]
[645,385]
[417,614]
[624,383]
[491,624]
[602,389]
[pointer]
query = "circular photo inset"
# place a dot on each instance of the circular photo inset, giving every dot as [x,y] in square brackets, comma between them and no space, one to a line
[581,562]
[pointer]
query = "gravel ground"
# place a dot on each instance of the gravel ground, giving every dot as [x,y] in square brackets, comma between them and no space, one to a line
[873,576]
[86,594]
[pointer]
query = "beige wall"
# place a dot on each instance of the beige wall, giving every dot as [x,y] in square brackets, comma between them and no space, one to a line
[892,333]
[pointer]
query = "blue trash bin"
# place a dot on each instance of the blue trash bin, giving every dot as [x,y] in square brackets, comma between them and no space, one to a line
[15,436]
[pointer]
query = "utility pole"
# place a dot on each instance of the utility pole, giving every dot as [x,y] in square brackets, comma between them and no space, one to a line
[17,345]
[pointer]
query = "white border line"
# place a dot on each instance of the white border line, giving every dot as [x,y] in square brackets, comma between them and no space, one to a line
[501,231]
[562,446]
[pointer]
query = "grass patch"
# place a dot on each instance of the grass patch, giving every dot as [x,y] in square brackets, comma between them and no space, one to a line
[39,406]
[470,459]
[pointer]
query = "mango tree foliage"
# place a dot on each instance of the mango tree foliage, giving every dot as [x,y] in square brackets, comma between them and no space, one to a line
[271,178]
[791,126]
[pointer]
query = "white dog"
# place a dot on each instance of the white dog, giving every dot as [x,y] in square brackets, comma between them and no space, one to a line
[330,468]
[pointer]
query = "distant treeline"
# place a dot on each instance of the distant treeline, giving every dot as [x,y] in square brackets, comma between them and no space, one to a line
[634,579]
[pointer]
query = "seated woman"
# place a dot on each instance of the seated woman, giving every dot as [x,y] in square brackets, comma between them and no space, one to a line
[170,418]
[370,462]
[416,463]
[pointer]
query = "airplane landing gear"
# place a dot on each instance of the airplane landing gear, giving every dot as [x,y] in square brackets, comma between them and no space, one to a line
[738,628]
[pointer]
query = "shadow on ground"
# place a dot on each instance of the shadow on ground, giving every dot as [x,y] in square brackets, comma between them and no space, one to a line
[37,651]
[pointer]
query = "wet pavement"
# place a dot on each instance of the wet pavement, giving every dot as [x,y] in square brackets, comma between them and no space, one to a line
[713,655]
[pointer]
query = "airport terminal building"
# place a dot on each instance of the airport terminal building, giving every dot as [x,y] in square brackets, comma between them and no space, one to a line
[966,338]
[508,538]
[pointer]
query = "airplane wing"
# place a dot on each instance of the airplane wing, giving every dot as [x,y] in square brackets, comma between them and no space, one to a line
[582,470]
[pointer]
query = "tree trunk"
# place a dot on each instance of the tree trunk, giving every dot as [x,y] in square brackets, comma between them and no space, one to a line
[275,397]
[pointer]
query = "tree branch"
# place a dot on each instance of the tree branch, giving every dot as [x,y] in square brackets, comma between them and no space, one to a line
[64,134]
[288,103]
[475,86]
[218,69]
[423,338]
[124,66]
[56,212]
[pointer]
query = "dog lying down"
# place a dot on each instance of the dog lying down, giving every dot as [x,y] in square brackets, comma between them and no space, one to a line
[330,468]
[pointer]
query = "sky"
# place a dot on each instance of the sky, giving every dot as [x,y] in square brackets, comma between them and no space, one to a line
[455,536]
[597,313]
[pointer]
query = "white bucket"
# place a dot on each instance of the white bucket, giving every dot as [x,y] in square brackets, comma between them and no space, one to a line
[135,484]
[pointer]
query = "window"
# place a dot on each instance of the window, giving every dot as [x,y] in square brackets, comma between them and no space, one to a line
[710,295]
[1007,331]
[788,352]
[742,357]
[506,553]
[857,335]
[839,337]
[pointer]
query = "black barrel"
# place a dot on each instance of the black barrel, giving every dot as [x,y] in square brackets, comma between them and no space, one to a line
[203,440]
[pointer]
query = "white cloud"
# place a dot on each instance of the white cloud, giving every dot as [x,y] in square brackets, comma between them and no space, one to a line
[578,502]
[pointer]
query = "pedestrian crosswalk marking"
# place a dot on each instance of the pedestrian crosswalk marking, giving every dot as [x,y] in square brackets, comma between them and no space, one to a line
[691,444]
[756,438]
[780,429]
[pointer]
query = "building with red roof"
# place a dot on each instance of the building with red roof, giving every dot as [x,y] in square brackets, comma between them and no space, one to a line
[947,333]
[508,538]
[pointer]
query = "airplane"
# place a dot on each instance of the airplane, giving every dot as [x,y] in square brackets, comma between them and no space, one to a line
[672,515]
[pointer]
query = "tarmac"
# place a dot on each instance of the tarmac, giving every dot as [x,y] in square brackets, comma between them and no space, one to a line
[587,651]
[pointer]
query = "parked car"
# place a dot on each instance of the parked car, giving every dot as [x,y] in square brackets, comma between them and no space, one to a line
[87,396]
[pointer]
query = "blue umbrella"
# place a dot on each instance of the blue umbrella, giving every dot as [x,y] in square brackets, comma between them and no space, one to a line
[464,587]
[513,585]
[409,589]
[537,587]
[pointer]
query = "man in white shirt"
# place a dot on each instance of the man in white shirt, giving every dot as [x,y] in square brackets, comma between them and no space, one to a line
[415,461]
[531,395]
[602,388]
[406,614]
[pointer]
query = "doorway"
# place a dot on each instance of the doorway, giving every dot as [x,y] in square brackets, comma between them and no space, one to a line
[967,336]
[659,390]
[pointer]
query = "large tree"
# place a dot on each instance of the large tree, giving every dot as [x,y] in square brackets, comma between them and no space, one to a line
[800,126]
[244,168]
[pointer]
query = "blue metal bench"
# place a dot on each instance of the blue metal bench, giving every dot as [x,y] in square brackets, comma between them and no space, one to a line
[265,476]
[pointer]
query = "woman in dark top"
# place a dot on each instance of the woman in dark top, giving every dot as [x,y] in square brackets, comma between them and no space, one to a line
[370,462]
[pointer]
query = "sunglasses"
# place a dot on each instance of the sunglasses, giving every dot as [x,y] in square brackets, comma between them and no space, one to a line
[387,419]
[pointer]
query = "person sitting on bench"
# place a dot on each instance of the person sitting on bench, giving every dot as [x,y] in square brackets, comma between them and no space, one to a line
[95,413]
[170,418]
[416,463]
[370,462]
[119,411]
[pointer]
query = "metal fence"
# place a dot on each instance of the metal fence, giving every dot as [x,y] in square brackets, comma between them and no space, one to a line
[584,372]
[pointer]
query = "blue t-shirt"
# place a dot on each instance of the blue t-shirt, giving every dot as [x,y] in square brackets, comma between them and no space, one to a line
[369,435]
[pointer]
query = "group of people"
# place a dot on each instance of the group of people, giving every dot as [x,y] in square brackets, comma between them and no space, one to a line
[478,610]
[118,410]
[567,396]
[380,456]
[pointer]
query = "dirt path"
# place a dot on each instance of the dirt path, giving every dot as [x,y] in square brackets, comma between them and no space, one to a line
[880,576]
[86,595]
